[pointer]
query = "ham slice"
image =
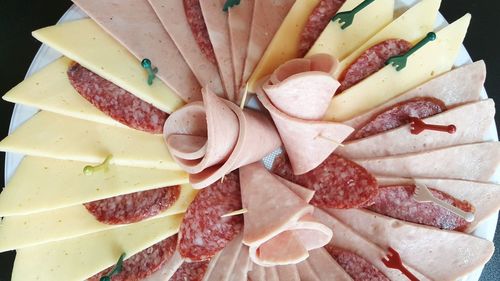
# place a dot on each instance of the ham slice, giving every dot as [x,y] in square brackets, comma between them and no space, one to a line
[459,86]
[221,268]
[482,196]
[295,86]
[258,273]
[473,121]
[267,18]
[167,270]
[279,228]
[272,274]
[173,18]
[475,162]
[438,254]
[325,267]
[216,21]
[242,266]
[136,26]
[288,272]
[213,138]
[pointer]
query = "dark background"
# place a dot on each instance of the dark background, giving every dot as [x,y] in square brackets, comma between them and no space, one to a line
[17,49]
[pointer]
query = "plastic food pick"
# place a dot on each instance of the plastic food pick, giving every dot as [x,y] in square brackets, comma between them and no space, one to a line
[244,99]
[393,260]
[417,126]
[90,170]
[346,18]
[423,194]
[230,4]
[146,63]
[116,270]
[399,62]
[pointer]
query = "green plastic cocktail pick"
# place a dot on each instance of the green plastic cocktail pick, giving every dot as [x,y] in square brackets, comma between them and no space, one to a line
[116,270]
[146,63]
[346,18]
[90,170]
[230,4]
[399,62]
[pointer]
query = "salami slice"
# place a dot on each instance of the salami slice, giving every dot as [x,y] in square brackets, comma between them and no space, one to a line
[133,207]
[357,267]
[203,232]
[337,182]
[317,22]
[396,201]
[196,22]
[115,101]
[144,263]
[371,60]
[190,271]
[399,115]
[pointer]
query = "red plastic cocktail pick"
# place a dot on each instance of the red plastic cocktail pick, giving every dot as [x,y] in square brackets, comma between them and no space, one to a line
[393,260]
[417,126]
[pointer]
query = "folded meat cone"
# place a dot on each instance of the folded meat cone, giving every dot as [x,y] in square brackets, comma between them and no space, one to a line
[279,227]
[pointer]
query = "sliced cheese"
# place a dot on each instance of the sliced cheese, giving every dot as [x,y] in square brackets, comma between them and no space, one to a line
[80,258]
[340,42]
[55,136]
[49,89]
[411,26]
[35,229]
[85,42]
[285,43]
[42,184]
[428,62]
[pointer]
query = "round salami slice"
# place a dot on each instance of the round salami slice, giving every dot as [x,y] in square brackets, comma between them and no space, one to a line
[338,182]
[196,22]
[397,202]
[144,263]
[115,102]
[357,267]
[203,232]
[317,22]
[191,271]
[370,61]
[399,115]
[133,207]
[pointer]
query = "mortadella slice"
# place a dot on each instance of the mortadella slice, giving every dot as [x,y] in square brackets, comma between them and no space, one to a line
[438,254]
[258,273]
[325,267]
[135,24]
[242,266]
[288,272]
[458,86]
[216,21]
[173,17]
[473,122]
[225,262]
[303,192]
[475,162]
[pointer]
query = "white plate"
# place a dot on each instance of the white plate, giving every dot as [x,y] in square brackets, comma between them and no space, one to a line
[46,55]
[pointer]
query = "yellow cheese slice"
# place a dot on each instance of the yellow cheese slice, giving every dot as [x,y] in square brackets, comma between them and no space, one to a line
[411,26]
[85,42]
[285,43]
[339,42]
[25,231]
[55,136]
[49,89]
[80,258]
[42,184]
[428,62]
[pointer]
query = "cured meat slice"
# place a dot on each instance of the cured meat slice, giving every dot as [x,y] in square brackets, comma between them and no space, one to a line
[475,162]
[272,274]
[258,273]
[473,122]
[458,86]
[325,267]
[134,207]
[136,26]
[192,271]
[187,29]
[461,253]
[397,202]
[317,22]
[168,269]
[226,261]
[242,266]
[357,267]
[288,272]
[115,101]
[266,230]
[371,61]
[337,182]
[144,263]
[203,232]
[216,21]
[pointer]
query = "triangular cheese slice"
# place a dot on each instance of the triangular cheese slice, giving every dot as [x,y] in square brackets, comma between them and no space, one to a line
[54,136]
[82,257]
[86,43]
[30,230]
[135,25]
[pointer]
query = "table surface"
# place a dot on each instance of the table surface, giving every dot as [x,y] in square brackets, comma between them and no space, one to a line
[17,49]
